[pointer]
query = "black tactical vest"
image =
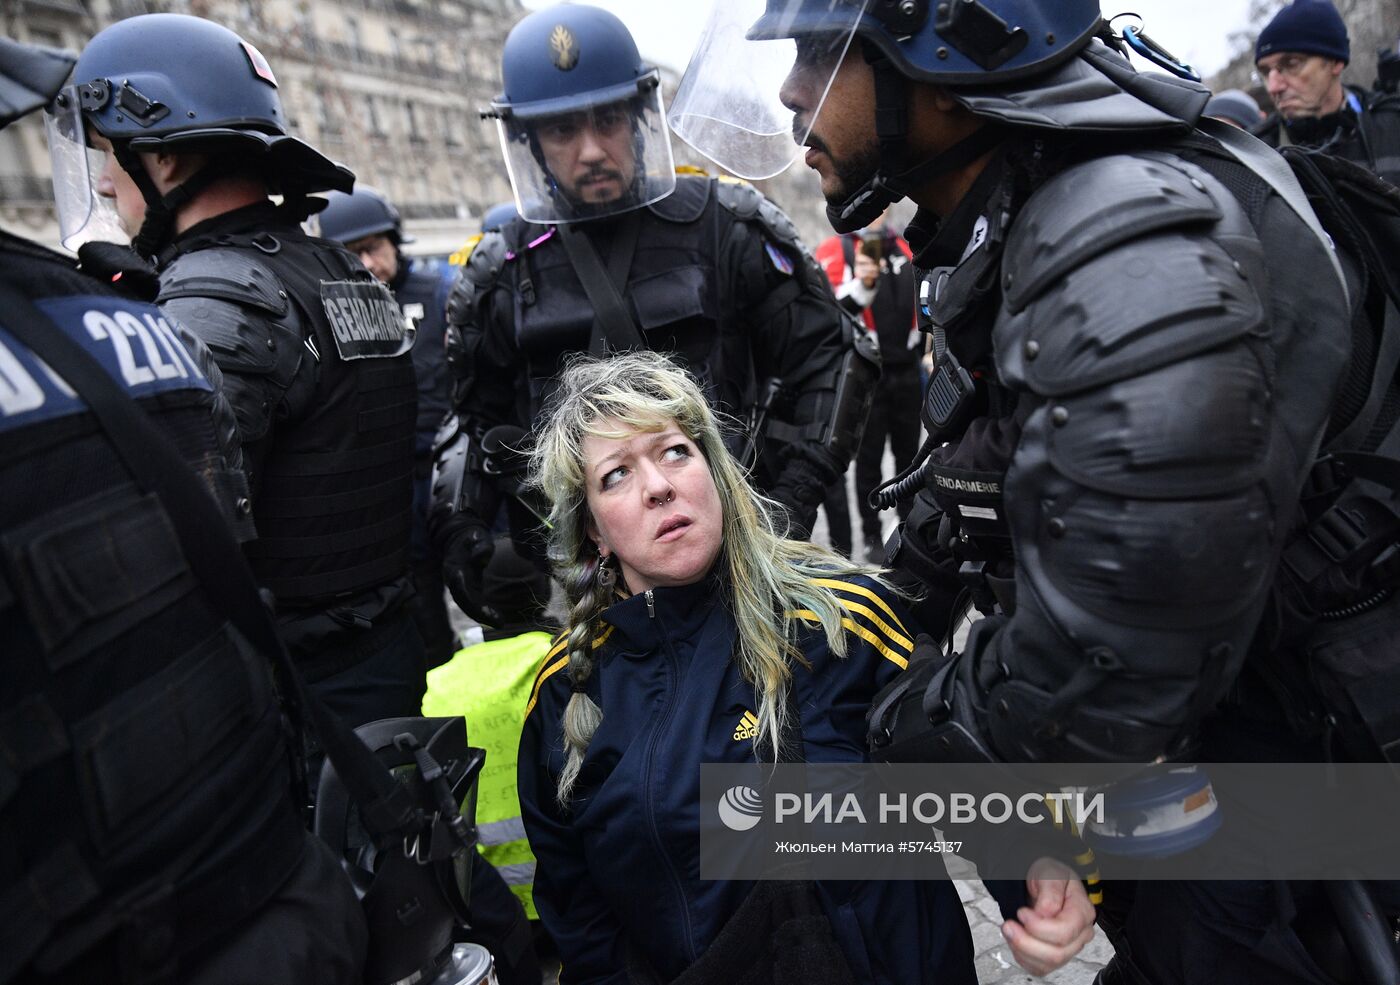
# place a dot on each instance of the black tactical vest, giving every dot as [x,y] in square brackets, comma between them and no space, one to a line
[141,747]
[672,286]
[334,501]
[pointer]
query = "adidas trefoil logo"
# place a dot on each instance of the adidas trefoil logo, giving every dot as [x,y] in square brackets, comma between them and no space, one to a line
[747,727]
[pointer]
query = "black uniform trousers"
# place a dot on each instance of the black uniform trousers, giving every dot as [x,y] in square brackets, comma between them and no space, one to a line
[894,417]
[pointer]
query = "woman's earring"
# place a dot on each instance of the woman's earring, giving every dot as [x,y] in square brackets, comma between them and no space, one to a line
[607,573]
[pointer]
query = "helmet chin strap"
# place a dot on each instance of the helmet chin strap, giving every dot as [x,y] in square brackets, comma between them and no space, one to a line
[158,226]
[894,180]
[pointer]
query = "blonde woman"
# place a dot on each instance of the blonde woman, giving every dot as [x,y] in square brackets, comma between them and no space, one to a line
[695,633]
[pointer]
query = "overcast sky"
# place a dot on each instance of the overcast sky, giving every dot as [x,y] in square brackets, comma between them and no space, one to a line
[1195,30]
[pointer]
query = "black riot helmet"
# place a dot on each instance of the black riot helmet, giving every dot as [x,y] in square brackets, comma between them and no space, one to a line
[179,84]
[360,213]
[1027,63]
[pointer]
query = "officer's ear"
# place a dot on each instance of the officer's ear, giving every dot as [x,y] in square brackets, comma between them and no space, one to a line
[937,120]
[596,536]
[171,170]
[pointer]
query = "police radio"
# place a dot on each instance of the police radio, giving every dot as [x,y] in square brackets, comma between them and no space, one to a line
[948,402]
[951,392]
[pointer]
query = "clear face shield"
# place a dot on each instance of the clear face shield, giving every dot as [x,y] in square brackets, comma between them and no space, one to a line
[83,214]
[588,162]
[751,56]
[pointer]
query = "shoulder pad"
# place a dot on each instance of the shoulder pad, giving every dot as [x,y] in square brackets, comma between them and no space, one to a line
[739,197]
[1127,265]
[236,307]
[747,202]
[1090,209]
[487,258]
[480,271]
[230,275]
[687,203]
[460,256]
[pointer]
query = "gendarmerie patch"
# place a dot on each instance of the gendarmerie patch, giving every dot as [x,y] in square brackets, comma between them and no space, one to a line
[365,319]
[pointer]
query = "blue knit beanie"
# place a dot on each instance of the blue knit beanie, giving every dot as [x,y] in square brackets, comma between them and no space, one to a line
[1312,27]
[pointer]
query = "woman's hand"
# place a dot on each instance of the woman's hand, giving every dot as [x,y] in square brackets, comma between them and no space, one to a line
[1057,925]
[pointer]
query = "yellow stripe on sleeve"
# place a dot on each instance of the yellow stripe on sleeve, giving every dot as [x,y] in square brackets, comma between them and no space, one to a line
[854,589]
[807,615]
[893,634]
[549,670]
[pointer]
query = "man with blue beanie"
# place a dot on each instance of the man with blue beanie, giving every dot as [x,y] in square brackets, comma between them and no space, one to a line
[1300,56]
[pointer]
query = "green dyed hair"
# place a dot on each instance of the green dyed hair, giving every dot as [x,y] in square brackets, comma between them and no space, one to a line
[766,577]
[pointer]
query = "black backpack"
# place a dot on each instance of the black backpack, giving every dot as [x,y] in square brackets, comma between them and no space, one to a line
[1328,641]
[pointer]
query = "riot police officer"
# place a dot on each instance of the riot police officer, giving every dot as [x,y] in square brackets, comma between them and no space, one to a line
[1138,337]
[314,352]
[148,830]
[612,251]
[370,227]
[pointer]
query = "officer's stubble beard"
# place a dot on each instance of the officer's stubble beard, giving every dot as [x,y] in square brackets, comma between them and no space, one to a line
[851,173]
[613,177]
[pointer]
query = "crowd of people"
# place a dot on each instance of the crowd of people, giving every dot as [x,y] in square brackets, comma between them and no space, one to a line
[1143,410]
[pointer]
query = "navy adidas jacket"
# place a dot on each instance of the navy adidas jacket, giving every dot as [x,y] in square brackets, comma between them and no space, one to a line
[622,867]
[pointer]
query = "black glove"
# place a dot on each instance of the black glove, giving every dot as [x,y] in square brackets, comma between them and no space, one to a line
[802,486]
[121,267]
[466,549]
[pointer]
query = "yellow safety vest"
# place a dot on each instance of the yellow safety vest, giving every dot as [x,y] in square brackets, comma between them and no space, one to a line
[489,684]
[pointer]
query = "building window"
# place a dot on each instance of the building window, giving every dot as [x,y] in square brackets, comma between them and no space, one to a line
[372,120]
[415,132]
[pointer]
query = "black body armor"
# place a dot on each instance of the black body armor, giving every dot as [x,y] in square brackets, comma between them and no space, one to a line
[315,358]
[145,794]
[717,278]
[1142,550]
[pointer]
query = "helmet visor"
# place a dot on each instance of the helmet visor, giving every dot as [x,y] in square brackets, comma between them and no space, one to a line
[83,214]
[591,161]
[730,103]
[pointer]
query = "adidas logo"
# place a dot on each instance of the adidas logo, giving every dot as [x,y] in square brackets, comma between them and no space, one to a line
[747,727]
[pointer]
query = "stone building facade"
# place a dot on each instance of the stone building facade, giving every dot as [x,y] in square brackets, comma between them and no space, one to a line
[391,88]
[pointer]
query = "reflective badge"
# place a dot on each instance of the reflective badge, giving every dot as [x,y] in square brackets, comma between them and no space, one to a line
[135,343]
[779,258]
[365,320]
[563,48]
